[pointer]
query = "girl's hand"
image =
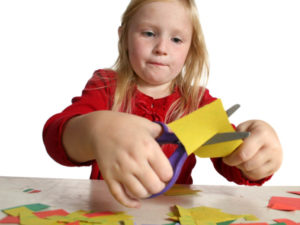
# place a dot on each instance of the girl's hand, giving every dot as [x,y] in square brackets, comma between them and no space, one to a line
[130,160]
[260,155]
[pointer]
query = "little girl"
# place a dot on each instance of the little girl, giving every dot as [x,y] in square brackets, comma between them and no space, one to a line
[160,75]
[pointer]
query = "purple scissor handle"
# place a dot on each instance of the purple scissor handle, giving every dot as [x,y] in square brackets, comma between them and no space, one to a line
[177,159]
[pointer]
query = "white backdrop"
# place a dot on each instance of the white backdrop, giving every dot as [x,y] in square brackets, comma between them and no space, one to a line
[49,49]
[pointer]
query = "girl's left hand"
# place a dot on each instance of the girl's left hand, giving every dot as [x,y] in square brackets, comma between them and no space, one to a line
[260,155]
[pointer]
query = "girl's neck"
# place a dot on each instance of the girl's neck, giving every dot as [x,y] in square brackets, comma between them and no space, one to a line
[155,91]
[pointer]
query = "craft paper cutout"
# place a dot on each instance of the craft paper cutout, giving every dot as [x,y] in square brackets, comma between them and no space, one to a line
[286,221]
[10,219]
[294,192]
[178,189]
[261,223]
[57,212]
[17,211]
[199,126]
[29,189]
[284,203]
[25,216]
[203,215]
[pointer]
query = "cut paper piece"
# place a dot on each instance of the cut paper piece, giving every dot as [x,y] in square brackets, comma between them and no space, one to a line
[56,212]
[80,216]
[294,192]
[178,189]
[284,203]
[34,191]
[74,223]
[260,223]
[225,222]
[286,221]
[17,211]
[28,189]
[27,218]
[10,219]
[90,215]
[204,215]
[199,126]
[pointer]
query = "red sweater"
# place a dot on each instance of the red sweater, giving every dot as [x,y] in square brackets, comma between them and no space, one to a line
[98,95]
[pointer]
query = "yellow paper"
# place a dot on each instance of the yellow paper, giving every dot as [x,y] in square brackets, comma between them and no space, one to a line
[28,218]
[205,215]
[199,126]
[17,211]
[178,189]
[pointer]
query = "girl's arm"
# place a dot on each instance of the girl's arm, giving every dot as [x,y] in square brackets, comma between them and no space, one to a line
[124,146]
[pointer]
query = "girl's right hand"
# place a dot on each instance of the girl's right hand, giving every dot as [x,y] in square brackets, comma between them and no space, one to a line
[129,158]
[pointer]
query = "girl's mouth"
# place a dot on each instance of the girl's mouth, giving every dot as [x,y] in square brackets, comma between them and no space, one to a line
[157,64]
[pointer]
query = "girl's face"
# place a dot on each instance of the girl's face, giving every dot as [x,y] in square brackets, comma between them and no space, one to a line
[159,38]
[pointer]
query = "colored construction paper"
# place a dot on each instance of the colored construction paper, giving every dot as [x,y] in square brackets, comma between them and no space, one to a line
[29,189]
[294,192]
[10,219]
[286,221]
[56,212]
[284,203]
[204,214]
[225,222]
[27,218]
[260,223]
[37,206]
[178,189]
[17,211]
[199,126]
[74,223]
[90,215]
[34,191]
[24,216]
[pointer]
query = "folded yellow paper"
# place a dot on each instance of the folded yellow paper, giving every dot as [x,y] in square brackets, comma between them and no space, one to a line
[199,126]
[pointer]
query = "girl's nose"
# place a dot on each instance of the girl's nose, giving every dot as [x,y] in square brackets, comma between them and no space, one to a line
[160,47]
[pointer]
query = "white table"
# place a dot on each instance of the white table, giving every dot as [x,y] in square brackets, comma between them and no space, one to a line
[72,195]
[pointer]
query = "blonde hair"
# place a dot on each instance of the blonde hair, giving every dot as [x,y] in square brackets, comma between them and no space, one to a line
[191,81]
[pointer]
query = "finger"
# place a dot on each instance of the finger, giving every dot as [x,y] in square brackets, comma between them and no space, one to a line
[244,152]
[150,180]
[119,193]
[160,164]
[257,161]
[134,187]
[260,172]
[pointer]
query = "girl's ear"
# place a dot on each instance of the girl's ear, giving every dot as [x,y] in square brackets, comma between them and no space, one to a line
[120,31]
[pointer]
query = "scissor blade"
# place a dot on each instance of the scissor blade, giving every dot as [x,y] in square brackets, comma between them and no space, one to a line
[232,109]
[230,136]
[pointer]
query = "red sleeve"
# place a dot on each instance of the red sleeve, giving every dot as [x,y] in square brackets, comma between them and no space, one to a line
[230,173]
[97,95]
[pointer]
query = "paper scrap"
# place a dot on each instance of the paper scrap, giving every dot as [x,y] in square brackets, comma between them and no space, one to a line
[10,219]
[261,223]
[178,189]
[199,126]
[16,211]
[284,203]
[57,212]
[294,192]
[286,221]
[28,189]
[203,214]
[23,215]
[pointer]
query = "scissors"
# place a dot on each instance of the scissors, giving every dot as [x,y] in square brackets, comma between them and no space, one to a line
[178,158]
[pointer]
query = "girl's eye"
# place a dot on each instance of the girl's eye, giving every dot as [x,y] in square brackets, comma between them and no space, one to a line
[148,34]
[176,40]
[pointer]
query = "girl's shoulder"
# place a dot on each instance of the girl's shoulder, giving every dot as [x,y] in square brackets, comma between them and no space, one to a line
[206,98]
[102,78]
